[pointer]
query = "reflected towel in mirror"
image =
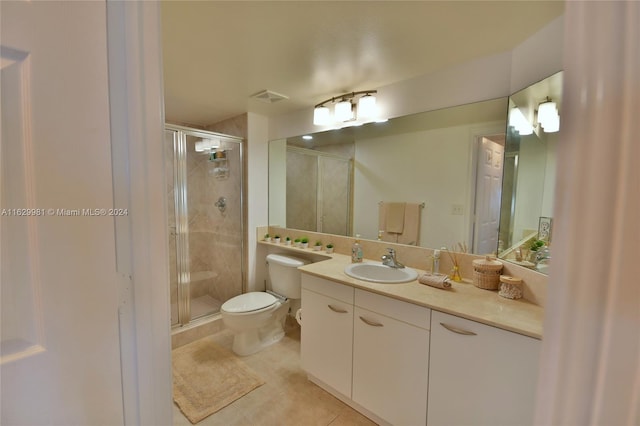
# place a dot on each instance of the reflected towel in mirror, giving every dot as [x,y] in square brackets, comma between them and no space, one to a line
[411,233]
[394,217]
[411,214]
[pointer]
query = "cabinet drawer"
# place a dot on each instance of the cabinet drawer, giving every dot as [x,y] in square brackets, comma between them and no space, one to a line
[328,288]
[403,311]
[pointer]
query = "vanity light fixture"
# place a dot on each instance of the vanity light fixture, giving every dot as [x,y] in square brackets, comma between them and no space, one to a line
[519,122]
[345,109]
[321,116]
[307,137]
[367,107]
[548,116]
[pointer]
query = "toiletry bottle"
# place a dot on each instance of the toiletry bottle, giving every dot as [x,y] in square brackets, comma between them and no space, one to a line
[435,265]
[356,251]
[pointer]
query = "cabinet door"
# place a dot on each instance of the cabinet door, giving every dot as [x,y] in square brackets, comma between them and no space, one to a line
[480,375]
[327,340]
[390,368]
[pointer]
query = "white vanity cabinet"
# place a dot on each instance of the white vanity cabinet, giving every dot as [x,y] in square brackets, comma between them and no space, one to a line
[404,364]
[391,358]
[480,375]
[327,332]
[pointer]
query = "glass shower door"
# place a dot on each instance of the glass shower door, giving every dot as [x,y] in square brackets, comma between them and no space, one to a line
[206,223]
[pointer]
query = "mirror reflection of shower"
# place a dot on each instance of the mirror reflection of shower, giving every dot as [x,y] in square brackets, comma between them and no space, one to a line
[206,229]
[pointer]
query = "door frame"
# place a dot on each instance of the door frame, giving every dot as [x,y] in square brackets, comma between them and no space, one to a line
[137,134]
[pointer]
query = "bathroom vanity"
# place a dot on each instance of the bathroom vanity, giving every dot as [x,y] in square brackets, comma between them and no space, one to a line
[371,349]
[409,354]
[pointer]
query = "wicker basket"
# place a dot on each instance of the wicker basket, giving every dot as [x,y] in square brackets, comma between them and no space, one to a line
[510,287]
[486,273]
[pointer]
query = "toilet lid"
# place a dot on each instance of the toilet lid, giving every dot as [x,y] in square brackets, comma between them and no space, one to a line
[249,302]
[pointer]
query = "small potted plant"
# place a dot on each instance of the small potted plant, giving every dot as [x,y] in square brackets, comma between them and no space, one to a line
[304,242]
[297,242]
[329,248]
[318,245]
[534,248]
[287,241]
[267,238]
[276,239]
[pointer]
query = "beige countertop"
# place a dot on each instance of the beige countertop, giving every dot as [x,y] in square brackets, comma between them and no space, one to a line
[462,299]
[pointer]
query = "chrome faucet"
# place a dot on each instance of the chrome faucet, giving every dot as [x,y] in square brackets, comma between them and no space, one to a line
[390,259]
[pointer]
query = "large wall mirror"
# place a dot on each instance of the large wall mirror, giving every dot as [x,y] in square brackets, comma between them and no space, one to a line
[342,181]
[526,222]
[448,162]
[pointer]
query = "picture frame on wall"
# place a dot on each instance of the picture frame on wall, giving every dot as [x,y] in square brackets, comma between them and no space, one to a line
[545,228]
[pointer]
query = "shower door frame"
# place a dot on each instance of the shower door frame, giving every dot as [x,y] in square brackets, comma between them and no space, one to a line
[182,217]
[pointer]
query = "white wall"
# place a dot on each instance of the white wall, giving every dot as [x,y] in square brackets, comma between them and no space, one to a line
[278,182]
[258,190]
[550,174]
[422,162]
[538,57]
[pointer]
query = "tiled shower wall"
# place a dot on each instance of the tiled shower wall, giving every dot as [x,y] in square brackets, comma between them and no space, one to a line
[216,238]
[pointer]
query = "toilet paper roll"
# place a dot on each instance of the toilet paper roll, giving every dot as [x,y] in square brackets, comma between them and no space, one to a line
[299,316]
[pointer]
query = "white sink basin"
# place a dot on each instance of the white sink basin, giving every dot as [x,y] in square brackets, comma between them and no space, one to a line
[379,273]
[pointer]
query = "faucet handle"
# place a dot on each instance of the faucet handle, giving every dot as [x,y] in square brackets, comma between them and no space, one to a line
[391,251]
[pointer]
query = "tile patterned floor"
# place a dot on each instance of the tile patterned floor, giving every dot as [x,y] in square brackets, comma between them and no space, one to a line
[287,398]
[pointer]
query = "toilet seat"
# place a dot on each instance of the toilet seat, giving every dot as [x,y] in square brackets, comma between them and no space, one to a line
[249,302]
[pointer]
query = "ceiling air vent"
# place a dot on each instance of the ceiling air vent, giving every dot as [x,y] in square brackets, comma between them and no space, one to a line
[269,97]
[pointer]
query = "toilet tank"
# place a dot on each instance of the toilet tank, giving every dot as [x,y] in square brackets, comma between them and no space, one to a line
[284,274]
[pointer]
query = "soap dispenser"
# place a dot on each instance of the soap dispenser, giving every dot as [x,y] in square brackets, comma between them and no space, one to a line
[435,265]
[356,251]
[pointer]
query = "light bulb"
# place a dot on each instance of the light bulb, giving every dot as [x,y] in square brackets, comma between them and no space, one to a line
[343,111]
[547,111]
[321,116]
[521,124]
[367,108]
[552,125]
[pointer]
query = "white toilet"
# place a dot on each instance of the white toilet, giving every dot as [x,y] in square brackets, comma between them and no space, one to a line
[257,318]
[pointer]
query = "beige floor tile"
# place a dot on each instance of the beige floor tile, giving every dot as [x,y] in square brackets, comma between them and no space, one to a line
[287,397]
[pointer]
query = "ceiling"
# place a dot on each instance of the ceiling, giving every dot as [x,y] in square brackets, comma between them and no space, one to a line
[218,54]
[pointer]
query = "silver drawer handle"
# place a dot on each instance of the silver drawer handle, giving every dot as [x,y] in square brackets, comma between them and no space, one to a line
[458,330]
[338,310]
[371,323]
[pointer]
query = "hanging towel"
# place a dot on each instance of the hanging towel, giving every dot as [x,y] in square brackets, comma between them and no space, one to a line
[411,232]
[395,215]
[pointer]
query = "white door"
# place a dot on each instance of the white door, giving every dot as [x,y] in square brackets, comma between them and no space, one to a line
[60,361]
[488,190]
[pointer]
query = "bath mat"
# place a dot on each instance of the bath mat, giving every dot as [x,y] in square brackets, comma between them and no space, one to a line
[208,377]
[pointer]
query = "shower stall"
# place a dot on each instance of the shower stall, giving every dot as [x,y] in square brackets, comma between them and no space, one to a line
[205,210]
